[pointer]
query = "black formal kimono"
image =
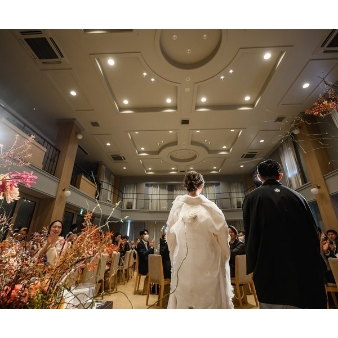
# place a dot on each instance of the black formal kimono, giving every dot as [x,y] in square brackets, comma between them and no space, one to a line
[282,247]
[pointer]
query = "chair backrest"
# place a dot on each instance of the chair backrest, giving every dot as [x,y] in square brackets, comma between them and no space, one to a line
[115,264]
[333,262]
[240,270]
[90,275]
[131,259]
[102,266]
[126,259]
[155,269]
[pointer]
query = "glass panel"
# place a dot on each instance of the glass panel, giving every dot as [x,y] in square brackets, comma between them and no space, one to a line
[25,213]
[67,222]
[6,210]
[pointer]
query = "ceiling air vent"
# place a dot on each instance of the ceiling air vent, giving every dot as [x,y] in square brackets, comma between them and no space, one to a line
[184,121]
[250,154]
[118,157]
[95,124]
[280,119]
[43,48]
[31,32]
[330,44]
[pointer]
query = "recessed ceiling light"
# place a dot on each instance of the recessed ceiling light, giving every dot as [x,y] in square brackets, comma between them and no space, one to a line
[224,147]
[170,131]
[187,79]
[231,71]
[247,98]
[198,131]
[222,77]
[124,168]
[203,99]
[232,129]
[261,141]
[305,85]
[204,36]
[149,169]
[267,56]
[111,62]
[125,101]
[214,167]
[142,148]
[136,132]
[168,100]
[174,37]
[108,144]
[172,168]
[191,168]
[144,74]
[187,90]
[73,92]
[242,166]
[152,79]
[188,51]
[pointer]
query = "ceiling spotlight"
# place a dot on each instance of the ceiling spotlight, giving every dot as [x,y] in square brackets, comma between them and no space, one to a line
[111,62]
[247,98]
[142,148]
[224,147]
[152,79]
[107,144]
[66,192]
[124,168]
[79,136]
[170,131]
[203,99]
[261,141]
[174,37]
[222,78]
[204,36]
[144,74]
[198,131]
[242,166]
[305,85]
[188,51]
[125,101]
[73,92]
[231,71]
[267,56]
[168,100]
[232,129]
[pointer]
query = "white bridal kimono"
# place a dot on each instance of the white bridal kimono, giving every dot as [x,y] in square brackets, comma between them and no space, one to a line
[198,242]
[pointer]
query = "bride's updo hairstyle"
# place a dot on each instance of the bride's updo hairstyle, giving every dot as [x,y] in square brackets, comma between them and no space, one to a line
[192,181]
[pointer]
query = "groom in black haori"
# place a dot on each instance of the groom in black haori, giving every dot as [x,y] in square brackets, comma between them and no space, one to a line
[286,274]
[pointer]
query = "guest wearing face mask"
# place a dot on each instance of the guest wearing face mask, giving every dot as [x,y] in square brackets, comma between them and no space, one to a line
[144,248]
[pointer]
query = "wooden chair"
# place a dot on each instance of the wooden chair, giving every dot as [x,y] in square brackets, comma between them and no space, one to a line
[155,272]
[242,279]
[123,270]
[90,275]
[100,274]
[111,275]
[333,288]
[131,264]
[138,275]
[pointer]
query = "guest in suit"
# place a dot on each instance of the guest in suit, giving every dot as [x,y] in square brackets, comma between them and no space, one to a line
[237,247]
[144,248]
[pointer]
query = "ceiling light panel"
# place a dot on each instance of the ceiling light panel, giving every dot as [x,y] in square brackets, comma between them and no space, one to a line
[153,142]
[252,76]
[266,135]
[214,140]
[127,79]
[65,81]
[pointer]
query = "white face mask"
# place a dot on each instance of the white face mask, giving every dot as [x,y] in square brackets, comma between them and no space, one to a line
[146,237]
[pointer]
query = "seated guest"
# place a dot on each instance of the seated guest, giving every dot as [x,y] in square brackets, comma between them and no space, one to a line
[237,247]
[241,235]
[144,248]
[333,241]
[54,245]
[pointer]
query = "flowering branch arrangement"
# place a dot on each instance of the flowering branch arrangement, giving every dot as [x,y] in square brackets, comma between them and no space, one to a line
[324,106]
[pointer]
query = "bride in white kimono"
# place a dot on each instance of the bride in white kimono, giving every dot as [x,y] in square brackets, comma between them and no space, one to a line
[197,237]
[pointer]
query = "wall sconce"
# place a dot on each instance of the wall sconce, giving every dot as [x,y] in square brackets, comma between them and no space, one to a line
[66,192]
[295,131]
[79,136]
[315,189]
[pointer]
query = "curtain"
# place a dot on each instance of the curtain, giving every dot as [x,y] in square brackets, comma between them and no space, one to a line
[158,197]
[236,195]
[179,190]
[129,197]
[154,228]
[293,175]
[209,192]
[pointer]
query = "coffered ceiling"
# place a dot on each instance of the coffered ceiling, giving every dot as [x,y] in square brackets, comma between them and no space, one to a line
[160,102]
